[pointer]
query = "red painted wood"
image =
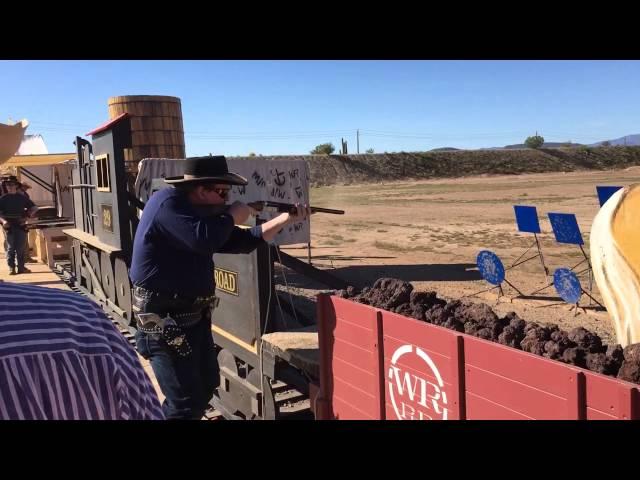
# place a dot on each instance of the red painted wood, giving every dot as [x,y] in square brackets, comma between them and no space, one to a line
[357,335]
[593,414]
[515,396]
[480,379]
[347,411]
[533,370]
[479,408]
[446,364]
[348,339]
[357,398]
[611,396]
[405,329]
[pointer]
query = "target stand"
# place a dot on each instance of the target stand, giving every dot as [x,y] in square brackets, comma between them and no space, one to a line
[566,230]
[527,222]
[568,286]
[493,271]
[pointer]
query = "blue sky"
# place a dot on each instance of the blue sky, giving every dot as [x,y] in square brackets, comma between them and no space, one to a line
[288,107]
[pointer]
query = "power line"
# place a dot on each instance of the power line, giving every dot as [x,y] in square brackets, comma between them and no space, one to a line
[309,132]
[73,128]
[257,137]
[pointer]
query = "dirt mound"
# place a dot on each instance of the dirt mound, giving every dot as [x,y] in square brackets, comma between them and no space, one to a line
[578,347]
[630,369]
[364,168]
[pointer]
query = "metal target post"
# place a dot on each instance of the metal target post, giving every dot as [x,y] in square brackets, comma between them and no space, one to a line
[566,230]
[493,271]
[568,286]
[527,222]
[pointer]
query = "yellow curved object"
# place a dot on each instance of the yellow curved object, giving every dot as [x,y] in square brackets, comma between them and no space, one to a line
[10,138]
[615,258]
[37,160]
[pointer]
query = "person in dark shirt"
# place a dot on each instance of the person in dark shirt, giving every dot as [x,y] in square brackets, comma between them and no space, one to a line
[14,209]
[172,273]
[22,189]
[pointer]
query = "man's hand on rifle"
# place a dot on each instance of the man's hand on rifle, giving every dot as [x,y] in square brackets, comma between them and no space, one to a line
[240,212]
[271,228]
[302,213]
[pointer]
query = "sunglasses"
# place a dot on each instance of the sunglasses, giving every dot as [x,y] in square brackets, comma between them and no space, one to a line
[222,192]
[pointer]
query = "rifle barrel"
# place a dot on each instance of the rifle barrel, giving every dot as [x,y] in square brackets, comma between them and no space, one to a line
[327,210]
[289,207]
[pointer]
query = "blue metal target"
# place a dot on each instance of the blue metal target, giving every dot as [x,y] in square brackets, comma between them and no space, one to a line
[527,218]
[490,267]
[605,192]
[567,285]
[565,228]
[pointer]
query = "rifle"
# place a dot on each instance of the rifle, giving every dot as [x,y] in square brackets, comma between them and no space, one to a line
[289,207]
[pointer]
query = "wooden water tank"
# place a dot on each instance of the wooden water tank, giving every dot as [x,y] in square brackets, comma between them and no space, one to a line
[156,126]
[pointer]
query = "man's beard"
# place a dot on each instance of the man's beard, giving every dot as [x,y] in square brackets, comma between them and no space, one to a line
[210,210]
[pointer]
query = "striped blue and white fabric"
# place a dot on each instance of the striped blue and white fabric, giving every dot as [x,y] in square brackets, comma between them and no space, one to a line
[61,358]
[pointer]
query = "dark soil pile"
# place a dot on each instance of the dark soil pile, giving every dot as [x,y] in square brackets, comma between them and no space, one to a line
[579,347]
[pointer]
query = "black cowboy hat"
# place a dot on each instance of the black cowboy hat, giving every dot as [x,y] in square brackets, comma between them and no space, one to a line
[7,179]
[211,168]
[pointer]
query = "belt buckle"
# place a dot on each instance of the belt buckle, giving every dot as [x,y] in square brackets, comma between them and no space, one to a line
[154,319]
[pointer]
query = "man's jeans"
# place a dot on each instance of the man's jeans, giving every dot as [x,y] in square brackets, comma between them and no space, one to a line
[16,238]
[188,383]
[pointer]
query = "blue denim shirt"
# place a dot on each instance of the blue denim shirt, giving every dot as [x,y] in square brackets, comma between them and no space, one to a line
[174,245]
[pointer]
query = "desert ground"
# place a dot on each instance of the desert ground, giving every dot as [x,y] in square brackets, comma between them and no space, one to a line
[430,232]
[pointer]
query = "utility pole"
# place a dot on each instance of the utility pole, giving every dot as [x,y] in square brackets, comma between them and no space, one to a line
[358,140]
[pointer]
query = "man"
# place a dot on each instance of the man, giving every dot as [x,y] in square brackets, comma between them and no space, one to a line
[61,358]
[172,271]
[14,209]
[22,190]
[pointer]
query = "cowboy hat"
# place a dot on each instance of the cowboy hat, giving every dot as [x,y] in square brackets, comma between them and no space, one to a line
[6,179]
[207,169]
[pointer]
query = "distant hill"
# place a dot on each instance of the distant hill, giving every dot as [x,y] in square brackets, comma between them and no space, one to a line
[629,140]
[544,145]
[380,167]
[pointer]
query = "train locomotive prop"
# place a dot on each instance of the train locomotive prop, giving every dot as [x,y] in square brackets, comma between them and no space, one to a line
[106,214]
